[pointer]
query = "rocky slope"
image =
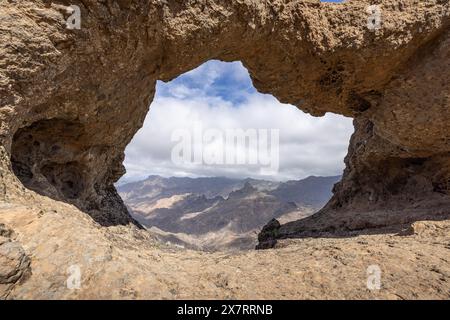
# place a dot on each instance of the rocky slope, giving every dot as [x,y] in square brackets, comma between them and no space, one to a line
[71,100]
[126,263]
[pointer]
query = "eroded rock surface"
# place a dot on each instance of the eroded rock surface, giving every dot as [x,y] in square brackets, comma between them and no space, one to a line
[126,263]
[14,263]
[71,100]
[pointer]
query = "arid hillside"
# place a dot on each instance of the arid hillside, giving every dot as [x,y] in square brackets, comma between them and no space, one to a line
[51,241]
[220,213]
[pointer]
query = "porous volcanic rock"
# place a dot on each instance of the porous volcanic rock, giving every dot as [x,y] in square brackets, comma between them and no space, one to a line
[71,100]
[14,262]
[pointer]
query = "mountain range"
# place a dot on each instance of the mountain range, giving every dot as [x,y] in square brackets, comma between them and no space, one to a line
[220,213]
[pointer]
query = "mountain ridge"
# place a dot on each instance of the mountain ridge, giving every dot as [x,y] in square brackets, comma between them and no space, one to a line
[217,213]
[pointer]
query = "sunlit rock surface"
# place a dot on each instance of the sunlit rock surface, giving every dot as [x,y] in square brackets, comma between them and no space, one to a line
[71,100]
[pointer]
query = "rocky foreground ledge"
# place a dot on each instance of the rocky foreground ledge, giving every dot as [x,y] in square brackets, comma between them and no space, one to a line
[124,262]
[71,100]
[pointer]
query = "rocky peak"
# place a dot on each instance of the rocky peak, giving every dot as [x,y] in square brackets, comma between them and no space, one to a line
[246,190]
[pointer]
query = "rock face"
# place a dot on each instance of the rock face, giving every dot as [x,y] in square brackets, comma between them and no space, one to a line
[71,100]
[14,263]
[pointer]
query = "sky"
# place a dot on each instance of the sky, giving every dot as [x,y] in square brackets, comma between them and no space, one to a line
[220,95]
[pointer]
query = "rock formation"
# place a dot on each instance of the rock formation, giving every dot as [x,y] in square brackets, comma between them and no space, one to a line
[72,99]
[14,263]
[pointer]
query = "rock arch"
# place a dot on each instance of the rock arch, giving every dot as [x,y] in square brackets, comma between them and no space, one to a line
[71,100]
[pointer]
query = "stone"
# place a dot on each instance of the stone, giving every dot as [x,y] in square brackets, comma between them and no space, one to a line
[69,143]
[14,262]
[267,236]
[71,100]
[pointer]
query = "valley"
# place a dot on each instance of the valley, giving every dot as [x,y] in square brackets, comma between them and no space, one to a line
[219,213]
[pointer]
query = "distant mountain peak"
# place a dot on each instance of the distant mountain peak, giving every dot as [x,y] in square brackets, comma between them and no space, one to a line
[232,209]
[246,190]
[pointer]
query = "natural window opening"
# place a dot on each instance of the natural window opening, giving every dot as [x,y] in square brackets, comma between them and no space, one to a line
[199,200]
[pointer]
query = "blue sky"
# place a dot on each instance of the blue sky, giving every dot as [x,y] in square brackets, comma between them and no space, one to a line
[221,95]
[228,81]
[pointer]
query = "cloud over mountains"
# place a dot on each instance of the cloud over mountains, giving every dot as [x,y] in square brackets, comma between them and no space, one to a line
[221,96]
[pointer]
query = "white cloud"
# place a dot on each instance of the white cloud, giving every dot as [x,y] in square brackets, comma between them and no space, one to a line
[308,145]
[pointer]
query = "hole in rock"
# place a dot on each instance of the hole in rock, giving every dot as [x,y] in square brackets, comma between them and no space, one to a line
[216,160]
[42,158]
